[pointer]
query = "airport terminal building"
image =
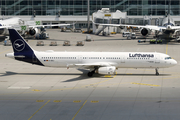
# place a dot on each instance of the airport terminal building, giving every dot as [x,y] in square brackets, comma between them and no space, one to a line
[79,7]
[64,11]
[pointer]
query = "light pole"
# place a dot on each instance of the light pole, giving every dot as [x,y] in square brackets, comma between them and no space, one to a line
[88,18]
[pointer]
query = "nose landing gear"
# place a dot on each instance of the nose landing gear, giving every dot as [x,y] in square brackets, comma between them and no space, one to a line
[157,73]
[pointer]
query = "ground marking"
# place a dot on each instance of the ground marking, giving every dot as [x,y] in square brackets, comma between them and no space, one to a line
[39,109]
[36,90]
[39,100]
[107,76]
[76,101]
[166,48]
[5,51]
[85,85]
[145,84]
[79,110]
[94,101]
[57,101]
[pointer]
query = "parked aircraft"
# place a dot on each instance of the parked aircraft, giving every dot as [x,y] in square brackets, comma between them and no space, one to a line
[17,22]
[96,62]
[168,26]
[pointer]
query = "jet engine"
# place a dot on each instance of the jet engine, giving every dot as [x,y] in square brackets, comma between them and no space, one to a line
[33,31]
[107,70]
[2,31]
[145,31]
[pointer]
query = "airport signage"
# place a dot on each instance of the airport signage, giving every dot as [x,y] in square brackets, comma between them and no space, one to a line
[18,27]
[23,28]
[38,22]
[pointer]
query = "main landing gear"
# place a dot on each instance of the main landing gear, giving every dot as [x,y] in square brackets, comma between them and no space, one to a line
[157,73]
[90,74]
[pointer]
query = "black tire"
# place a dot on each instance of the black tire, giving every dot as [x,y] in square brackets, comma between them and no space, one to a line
[90,74]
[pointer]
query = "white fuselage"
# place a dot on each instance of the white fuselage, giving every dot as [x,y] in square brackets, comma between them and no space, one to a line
[117,59]
[8,22]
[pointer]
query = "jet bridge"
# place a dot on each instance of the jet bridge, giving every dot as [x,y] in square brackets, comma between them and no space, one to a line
[104,16]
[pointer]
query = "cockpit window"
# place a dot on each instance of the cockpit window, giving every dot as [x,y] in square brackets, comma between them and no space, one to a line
[166,58]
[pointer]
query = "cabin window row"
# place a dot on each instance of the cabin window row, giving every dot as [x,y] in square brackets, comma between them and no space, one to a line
[101,57]
[58,57]
[83,57]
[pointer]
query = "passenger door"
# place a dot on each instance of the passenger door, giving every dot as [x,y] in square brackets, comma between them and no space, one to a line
[80,59]
[123,59]
[157,58]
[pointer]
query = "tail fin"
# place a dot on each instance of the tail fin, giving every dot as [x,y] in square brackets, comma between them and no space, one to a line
[18,43]
[169,13]
[22,51]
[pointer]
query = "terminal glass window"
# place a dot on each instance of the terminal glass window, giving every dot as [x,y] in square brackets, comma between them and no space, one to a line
[79,7]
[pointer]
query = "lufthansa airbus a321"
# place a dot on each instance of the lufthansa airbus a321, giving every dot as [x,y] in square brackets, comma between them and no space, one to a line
[95,62]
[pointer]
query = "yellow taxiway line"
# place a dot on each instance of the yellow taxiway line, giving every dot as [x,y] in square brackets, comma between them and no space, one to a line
[79,110]
[5,51]
[166,48]
[39,109]
[145,84]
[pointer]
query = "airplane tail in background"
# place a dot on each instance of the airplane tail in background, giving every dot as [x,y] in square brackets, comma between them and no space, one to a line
[169,12]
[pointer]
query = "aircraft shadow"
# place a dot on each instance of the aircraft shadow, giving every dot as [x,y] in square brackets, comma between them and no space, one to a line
[108,39]
[82,76]
[2,38]
[143,74]
[169,43]
[8,73]
[54,40]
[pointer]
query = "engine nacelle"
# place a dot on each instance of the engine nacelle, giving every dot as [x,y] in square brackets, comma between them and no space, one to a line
[33,31]
[107,70]
[2,30]
[145,31]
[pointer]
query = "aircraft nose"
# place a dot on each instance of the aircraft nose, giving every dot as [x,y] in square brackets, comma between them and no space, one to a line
[174,62]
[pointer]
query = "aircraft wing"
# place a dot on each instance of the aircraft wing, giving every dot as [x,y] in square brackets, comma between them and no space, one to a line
[113,25]
[175,27]
[5,27]
[92,65]
[32,26]
[152,27]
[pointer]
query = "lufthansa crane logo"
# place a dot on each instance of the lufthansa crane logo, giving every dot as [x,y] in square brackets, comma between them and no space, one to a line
[19,45]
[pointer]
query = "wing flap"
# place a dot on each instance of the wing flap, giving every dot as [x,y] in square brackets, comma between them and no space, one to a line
[92,65]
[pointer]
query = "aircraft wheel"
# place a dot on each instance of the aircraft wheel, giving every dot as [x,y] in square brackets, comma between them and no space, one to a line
[157,73]
[90,74]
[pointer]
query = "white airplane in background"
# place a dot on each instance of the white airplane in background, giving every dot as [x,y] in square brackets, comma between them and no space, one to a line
[168,26]
[14,22]
[4,24]
[96,62]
